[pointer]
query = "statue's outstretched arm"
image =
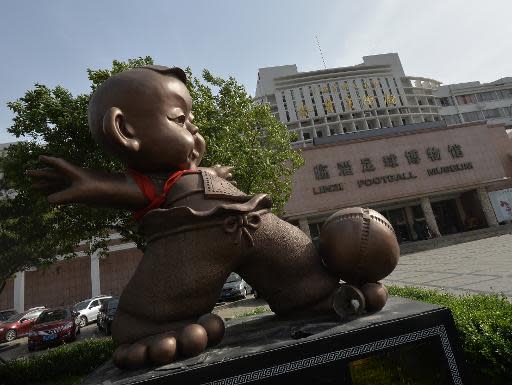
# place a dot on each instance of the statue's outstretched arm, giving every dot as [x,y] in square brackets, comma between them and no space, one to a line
[66,183]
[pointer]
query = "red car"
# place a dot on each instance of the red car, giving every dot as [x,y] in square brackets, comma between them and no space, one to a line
[18,325]
[52,327]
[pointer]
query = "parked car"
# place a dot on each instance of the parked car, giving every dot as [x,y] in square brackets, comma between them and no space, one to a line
[235,287]
[106,314]
[88,309]
[53,326]
[5,314]
[18,325]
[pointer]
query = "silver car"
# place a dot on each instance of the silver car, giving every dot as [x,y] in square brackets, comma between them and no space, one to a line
[88,310]
[235,287]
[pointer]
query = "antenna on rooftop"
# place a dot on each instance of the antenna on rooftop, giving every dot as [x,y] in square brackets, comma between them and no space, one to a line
[320,49]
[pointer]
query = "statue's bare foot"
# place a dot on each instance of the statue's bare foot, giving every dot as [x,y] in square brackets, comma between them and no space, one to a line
[164,348]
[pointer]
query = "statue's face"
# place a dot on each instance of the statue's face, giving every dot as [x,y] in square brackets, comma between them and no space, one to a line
[164,128]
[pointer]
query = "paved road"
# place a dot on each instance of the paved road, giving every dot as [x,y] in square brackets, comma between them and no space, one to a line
[483,266]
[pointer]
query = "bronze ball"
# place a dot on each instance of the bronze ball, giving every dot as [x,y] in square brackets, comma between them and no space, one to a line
[192,340]
[136,356]
[119,356]
[214,326]
[163,350]
[359,245]
[376,296]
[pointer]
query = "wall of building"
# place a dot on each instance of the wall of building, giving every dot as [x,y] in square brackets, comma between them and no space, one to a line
[117,269]
[320,186]
[63,283]
[7,295]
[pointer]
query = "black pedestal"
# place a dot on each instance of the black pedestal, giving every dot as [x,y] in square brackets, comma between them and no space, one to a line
[406,341]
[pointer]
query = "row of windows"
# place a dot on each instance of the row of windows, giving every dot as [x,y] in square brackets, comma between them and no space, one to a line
[484,96]
[307,133]
[474,116]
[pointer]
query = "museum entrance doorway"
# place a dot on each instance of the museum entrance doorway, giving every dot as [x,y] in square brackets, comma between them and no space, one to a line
[398,219]
[447,217]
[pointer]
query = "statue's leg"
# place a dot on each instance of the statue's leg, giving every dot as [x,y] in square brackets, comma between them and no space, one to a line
[286,269]
[178,280]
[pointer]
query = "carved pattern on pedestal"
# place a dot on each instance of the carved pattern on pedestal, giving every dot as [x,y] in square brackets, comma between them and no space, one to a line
[355,351]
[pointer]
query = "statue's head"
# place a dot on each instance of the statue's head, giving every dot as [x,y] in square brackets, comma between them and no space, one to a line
[144,117]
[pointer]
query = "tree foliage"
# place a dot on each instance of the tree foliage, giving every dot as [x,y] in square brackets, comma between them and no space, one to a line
[54,122]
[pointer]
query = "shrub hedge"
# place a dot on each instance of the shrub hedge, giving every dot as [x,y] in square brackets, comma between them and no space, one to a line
[484,324]
[76,359]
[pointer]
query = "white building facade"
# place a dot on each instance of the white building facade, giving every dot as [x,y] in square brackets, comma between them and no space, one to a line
[473,101]
[372,95]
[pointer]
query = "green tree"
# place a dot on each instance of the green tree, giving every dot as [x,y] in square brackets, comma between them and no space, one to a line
[53,122]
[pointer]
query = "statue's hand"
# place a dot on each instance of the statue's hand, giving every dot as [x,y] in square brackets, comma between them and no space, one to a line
[222,171]
[64,182]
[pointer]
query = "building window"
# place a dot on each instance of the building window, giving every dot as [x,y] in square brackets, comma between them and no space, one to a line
[466,99]
[319,134]
[314,231]
[494,113]
[445,102]
[472,116]
[505,94]
[487,96]
[452,119]
[306,135]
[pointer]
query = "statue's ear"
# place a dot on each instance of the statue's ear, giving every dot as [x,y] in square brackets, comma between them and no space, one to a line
[118,131]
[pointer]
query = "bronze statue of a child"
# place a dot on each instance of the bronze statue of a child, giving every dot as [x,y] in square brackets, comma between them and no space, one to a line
[197,225]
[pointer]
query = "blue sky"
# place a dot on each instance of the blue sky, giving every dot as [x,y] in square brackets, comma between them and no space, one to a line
[54,42]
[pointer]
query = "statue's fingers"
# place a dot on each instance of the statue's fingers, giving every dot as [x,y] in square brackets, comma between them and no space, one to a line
[229,176]
[44,173]
[43,185]
[61,197]
[60,164]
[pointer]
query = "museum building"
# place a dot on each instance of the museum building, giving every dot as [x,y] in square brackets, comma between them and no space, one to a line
[425,175]
[432,158]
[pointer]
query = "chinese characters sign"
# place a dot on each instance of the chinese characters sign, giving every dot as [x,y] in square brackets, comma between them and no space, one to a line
[410,157]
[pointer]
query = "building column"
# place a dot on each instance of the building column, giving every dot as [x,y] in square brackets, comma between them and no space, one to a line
[485,202]
[429,216]
[460,208]
[410,220]
[95,274]
[304,226]
[19,291]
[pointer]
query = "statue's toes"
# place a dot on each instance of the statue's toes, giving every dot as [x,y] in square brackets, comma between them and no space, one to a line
[214,326]
[192,340]
[162,349]
[131,356]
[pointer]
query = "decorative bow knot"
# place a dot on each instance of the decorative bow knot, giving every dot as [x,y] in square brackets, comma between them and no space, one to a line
[240,224]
